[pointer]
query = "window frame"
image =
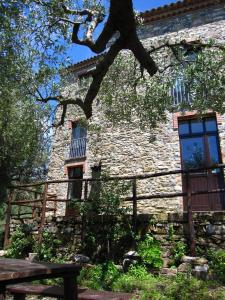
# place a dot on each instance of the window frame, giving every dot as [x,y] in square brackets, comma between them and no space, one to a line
[204,134]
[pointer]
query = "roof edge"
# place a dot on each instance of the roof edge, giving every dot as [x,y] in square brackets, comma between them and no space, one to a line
[175,9]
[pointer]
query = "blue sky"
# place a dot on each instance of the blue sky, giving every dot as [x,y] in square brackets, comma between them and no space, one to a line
[79,53]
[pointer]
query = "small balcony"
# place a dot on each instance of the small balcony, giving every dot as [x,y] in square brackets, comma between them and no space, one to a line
[77,148]
[180,92]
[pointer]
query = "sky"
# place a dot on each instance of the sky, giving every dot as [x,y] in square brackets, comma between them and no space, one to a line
[79,53]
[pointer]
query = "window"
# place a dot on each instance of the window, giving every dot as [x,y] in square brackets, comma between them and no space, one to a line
[78,141]
[74,190]
[78,132]
[199,143]
[180,91]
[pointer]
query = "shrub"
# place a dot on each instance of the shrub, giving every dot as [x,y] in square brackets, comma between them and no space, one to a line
[106,222]
[99,277]
[90,277]
[47,249]
[185,288]
[178,251]
[152,287]
[21,242]
[150,252]
[135,279]
[217,263]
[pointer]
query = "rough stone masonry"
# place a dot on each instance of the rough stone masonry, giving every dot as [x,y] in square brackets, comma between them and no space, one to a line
[130,151]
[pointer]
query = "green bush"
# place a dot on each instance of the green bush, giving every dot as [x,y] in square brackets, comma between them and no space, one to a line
[147,286]
[136,278]
[178,251]
[150,252]
[217,263]
[21,242]
[47,249]
[107,224]
[99,277]
[185,288]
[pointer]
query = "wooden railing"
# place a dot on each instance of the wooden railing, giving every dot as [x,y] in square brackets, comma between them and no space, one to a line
[78,148]
[45,197]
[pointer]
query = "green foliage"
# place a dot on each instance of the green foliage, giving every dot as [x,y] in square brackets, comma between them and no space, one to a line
[21,242]
[47,249]
[204,78]
[150,252]
[23,149]
[171,232]
[129,96]
[33,48]
[217,263]
[22,119]
[178,251]
[165,288]
[184,288]
[99,277]
[135,279]
[106,220]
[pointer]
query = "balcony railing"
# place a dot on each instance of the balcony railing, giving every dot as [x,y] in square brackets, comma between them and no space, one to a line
[180,92]
[78,148]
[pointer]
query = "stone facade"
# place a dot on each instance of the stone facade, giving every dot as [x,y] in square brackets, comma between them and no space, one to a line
[127,150]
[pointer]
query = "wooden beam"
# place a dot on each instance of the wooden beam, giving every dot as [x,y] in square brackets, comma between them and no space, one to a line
[141,176]
[134,199]
[192,241]
[8,217]
[18,202]
[43,212]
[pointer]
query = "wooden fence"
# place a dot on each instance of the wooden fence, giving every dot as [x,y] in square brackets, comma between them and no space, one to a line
[39,202]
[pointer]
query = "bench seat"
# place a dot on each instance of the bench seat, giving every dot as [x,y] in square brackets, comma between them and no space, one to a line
[19,291]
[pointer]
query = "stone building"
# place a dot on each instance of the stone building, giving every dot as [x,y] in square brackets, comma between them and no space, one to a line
[77,153]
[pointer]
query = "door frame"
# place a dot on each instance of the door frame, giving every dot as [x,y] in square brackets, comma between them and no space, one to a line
[209,173]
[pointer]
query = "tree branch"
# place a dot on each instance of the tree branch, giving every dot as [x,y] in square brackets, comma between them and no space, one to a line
[99,74]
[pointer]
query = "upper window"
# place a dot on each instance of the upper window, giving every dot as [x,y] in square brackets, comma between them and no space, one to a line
[180,90]
[199,143]
[78,142]
[78,132]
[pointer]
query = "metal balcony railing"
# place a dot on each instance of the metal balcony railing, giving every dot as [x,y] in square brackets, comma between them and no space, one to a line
[78,148]
[180,92]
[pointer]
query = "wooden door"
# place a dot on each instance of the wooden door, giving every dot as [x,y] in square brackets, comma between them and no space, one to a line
[200,148]
[74,190]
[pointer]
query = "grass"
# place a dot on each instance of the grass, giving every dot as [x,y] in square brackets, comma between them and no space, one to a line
[137,280]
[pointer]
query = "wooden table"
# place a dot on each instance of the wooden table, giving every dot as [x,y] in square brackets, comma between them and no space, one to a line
[18,270]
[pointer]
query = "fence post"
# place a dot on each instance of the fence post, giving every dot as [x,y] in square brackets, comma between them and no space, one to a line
[43,211]
[134,198]
[191,229]
[8,217]
[84,217]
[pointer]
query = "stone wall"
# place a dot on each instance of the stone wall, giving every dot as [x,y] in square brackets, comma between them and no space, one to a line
[127,150]
[209,227]
[166,228]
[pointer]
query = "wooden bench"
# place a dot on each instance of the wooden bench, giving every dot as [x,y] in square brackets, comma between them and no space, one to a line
[19,291]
